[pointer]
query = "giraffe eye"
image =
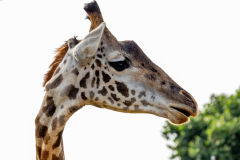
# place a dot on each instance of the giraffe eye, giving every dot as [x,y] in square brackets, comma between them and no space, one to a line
[119,65]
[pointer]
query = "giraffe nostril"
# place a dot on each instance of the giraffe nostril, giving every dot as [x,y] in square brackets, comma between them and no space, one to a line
[186,94]
[189,97]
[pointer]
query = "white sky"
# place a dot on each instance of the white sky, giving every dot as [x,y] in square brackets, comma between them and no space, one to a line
[196,42]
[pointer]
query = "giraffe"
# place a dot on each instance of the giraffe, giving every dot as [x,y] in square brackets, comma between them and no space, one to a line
[101,71]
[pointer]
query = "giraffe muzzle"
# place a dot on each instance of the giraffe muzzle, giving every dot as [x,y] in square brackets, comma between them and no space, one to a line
[188,106]
[190,101]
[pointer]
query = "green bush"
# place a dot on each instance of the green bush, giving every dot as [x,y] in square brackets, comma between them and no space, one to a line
[213,135]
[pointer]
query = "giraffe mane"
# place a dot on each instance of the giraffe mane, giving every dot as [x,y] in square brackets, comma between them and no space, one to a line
[60,53]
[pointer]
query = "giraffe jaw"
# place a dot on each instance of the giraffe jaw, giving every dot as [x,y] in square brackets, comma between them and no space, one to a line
[180,113]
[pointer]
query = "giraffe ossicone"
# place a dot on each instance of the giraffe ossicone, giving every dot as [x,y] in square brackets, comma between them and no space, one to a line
[106,73]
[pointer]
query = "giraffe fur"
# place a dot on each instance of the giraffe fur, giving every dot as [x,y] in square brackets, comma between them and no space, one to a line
[101,71]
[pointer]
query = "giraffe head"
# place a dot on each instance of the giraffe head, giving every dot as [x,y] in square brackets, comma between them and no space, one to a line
[101,71]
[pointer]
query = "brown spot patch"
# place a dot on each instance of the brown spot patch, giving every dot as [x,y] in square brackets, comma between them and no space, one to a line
[153,69]
[83,96]
[145,103]
[45,154]
[163,82]
[55,157]
[65,61]
[37,120]
[62,120]
[97,73]
[56,72]
[46,139]
[153,98]
[73,109]
[92,66]
[98,62]
[58,141]
[142,94]
[54,123]
[50,108]
[98,82]
[93,82]
[111,87]
[133,92]
[75,71]
[114,96]
[69,91]
[55,83]
[151,77]
[96,99]
[99,56]
[122,88]
[73,93]
[41,130]
[136,107]
[130,102]
[103,91]
[91,93]
[38,151]
[110,99]
[83,81]
[106,77]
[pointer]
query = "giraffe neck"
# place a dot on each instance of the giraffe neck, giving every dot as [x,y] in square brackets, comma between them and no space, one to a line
[50,123]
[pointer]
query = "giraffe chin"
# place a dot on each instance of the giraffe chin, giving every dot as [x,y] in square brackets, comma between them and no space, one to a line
[177,117]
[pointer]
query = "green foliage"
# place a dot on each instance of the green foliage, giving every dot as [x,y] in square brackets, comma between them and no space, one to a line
[214,134]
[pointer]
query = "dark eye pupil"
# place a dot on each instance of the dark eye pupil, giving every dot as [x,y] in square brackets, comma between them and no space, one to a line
[120,65]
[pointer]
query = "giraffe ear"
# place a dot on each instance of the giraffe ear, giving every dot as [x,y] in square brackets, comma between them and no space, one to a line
[89,45]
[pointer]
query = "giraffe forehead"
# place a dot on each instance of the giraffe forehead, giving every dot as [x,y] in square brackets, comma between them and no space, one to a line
[137,56]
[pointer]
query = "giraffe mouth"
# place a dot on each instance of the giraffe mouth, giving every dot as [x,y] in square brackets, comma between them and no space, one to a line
[186,113]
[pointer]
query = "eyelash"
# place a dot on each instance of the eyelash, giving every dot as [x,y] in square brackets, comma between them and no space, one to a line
[119,65]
